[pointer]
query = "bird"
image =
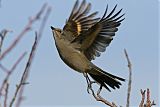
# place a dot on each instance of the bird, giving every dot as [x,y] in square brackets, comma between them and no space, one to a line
[84,37]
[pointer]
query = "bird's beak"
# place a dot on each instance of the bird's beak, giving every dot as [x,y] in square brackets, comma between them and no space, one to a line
[52,28]
[55,32]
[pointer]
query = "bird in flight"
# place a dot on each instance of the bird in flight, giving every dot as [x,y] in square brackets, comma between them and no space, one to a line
[84,37]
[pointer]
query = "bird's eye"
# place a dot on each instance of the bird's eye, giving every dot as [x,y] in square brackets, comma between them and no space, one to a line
[59,30]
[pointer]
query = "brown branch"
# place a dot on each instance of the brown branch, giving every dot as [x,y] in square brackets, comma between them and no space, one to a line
[130,78]
[101,99]
[3,34]
[148,101]
[6,95]
[10,72]
[40,32]
[24,31]
[24,77]
[25,73]
[20,97]
[38,37]
[143,98]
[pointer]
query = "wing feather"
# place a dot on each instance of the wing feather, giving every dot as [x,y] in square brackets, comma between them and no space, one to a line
[79,20]
[99,36]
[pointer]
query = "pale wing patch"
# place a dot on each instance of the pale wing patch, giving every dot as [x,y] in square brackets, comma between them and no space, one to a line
[80,19]
[79,27]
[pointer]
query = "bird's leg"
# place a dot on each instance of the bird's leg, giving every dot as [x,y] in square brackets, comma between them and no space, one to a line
[89,82]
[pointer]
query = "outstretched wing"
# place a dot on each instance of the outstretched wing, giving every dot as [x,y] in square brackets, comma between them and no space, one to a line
[80,20]
[100,35]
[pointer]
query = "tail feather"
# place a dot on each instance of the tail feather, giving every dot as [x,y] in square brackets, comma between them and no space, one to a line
[105,79]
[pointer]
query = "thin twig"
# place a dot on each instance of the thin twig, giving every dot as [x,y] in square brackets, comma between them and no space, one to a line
[98,97]
[148,102]
[41,29]
[6,95]
[130,78]
[3,34]
[24,31]
[153,103]
[143,98]
[38,35]
[10,72]
[25,73]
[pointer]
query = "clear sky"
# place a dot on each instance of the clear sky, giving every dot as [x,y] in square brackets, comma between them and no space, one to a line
[52,83]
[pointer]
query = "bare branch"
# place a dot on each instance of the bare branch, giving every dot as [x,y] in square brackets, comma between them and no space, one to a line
[153,103]
[24,31]
[130,78]
[143,98]
[148,101]
[3,34]
[38,37]
[40,32]
[98,97]
[6,95]
[25,73]
[10,72]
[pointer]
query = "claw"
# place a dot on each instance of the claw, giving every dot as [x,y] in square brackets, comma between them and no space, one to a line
[90,86]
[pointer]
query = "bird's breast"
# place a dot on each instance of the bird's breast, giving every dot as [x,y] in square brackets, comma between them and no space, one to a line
[73,57]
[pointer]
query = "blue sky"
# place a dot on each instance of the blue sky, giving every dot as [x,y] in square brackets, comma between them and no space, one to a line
[53,83]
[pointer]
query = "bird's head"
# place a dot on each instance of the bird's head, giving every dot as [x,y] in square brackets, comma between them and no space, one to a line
[57,33]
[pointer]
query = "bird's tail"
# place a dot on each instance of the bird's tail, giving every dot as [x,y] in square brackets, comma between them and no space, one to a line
[105,79]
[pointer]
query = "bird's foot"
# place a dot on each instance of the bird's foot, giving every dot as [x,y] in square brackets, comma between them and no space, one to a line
[89,82]
[89,87]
